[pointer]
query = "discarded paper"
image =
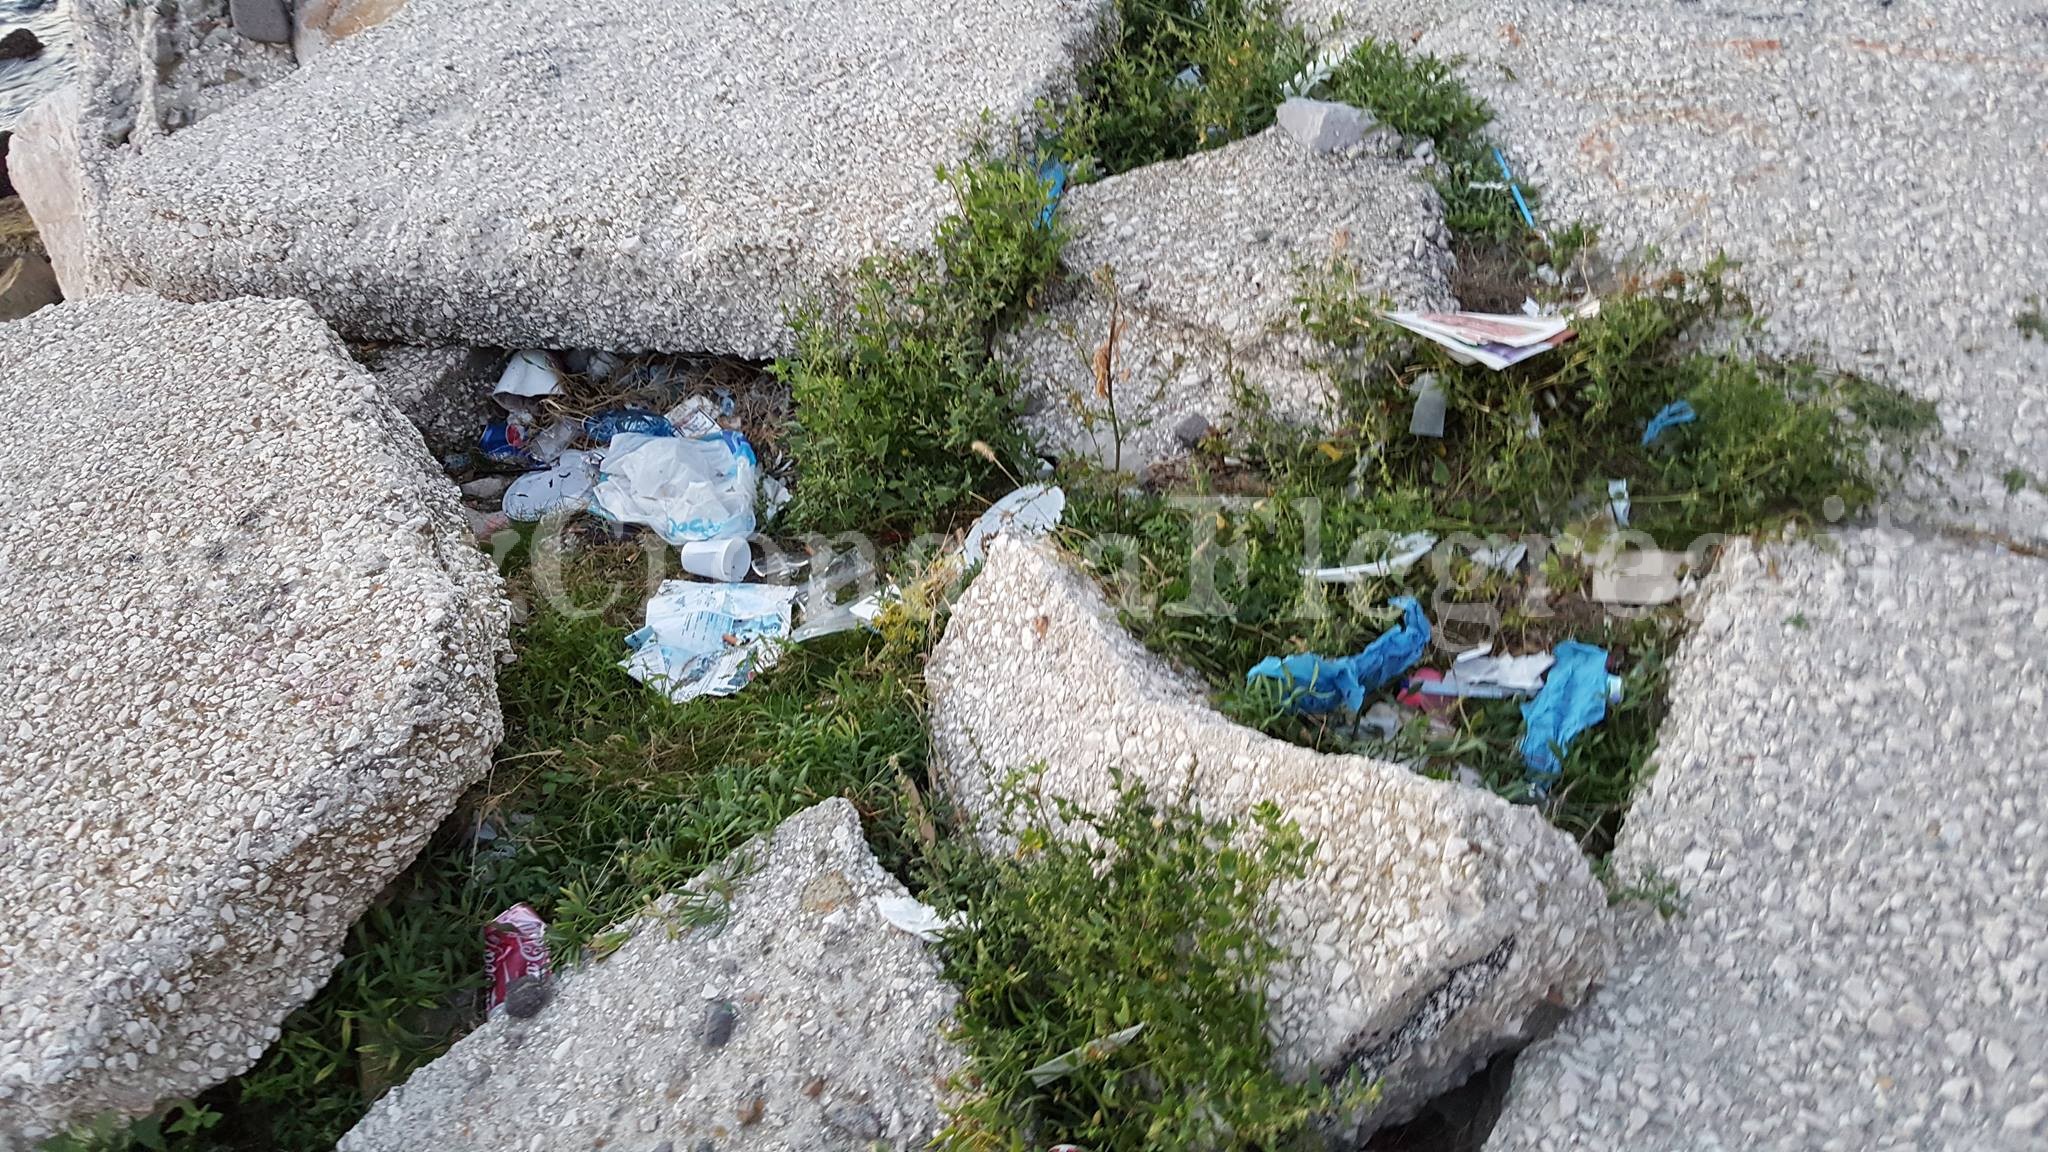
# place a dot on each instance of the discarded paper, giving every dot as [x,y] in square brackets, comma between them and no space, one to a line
[1093,1052]
[528,376]
[914,916]
[1029,512]
[709,639]
[1481,676]
[1404,552]
[1494,339]
[564,487]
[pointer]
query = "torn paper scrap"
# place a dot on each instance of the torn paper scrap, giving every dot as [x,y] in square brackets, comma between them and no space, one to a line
[1402,554]
[909,914]
[709,639]
[1030,511]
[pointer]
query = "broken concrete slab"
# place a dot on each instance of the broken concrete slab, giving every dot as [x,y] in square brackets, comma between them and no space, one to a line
[1847,808]
[444,391]
[440,178]
[1204,258]
[1438,924]
[253,666]
[800,1020]
[1868,168]
[44,160]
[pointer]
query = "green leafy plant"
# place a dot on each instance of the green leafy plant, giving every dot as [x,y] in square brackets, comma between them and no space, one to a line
[1180,76]
[901,412]
[1156,919]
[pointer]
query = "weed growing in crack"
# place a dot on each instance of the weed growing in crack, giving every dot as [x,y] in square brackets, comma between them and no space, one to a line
[890,400]
[1157,920]
[1181,76]
[1210,572]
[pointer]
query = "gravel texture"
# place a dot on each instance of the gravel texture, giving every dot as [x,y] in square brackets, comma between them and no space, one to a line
[444,391]
[43,161]
[624,174]
[1849,799]
[805,1022]
[1878,168]
[249,666]
[1206,257]
[1437,925]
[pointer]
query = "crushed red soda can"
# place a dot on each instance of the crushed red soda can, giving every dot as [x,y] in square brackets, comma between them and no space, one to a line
[517,946]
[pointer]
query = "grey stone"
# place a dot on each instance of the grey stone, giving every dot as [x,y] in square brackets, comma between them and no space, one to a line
[526,997]
[20,44]
[1850,805]
[828,989]
[1204,260]
[747,159]
[856,1120]
[264,21]
[254,666]
[1869,167]
[719,1019]
[26,284]
[1437,924]
[1324,126]
[1192,429]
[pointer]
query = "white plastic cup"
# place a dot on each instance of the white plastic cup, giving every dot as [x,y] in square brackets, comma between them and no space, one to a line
[725,561]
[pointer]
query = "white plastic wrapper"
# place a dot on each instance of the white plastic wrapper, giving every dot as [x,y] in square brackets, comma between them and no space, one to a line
[684,488]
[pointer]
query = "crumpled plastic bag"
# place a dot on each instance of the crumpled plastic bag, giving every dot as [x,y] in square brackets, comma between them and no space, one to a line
[1321,684]
[709,639]
[685,488]
[1574,698]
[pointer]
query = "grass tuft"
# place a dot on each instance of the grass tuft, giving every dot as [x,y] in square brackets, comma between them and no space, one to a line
[1156,920]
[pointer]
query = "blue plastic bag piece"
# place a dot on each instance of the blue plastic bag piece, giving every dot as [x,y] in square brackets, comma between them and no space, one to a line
[1574,698]
[1668,417]
[1328,685]
[605,425]
[1317,685]
[1395,652]
[1053,174]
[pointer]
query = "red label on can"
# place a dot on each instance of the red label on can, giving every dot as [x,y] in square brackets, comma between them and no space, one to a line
[516,943]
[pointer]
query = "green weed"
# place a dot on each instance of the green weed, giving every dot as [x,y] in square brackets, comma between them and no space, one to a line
[1422,96]
[2030,321]
[891,404]
[1527,453]
[1180,76]
[1156,921]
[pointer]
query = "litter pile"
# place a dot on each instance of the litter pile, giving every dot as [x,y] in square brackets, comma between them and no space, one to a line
[1565,692]
[659,443]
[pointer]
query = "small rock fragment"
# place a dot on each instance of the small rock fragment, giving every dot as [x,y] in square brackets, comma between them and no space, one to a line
[1192,429]
[1325,126]
[719,1020]
[526,997]
[751,1110]
[264,21]
[20,44]
[856,1120]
